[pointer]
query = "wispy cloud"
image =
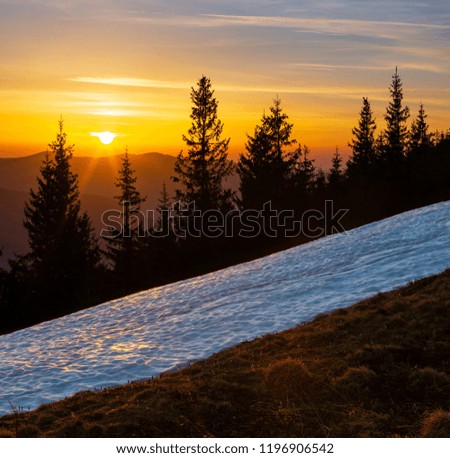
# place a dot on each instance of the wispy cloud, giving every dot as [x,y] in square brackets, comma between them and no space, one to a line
[121,113]
[432,68]
[317,23]
[130,82]
[331,67]
[271,89]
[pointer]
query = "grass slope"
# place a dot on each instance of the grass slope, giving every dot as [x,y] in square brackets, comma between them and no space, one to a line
[380,368]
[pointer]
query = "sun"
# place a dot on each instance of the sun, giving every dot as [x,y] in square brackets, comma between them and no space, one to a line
[105,137]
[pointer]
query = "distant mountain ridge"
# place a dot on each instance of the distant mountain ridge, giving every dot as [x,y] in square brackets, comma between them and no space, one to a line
[13,237]
[96,176]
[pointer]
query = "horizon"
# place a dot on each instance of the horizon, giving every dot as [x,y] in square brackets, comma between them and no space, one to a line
[321,157]
[127,69]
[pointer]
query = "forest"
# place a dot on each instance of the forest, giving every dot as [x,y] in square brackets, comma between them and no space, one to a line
[391,169]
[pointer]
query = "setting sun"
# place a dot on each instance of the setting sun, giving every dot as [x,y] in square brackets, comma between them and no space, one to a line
[105,137]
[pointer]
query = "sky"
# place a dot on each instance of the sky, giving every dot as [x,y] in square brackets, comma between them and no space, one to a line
[127,67]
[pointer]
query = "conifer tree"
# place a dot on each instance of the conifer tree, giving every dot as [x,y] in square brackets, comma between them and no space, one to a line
[164,208]
[419,137]
[391,176]
[64,254]
[266,167]
[363,144]
[336,180]
[40,209]
[303,172]
[202,171]
[335,176]
[256,174]
[396,132]
[124,242]
[163,250]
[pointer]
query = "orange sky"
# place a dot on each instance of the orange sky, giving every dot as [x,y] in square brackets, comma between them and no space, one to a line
[127,68]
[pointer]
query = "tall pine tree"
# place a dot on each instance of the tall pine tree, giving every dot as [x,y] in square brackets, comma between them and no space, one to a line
[423,166]
[365,187]
[202,171]
[302,173]
[392,177]
[266,167]
[363,144]
[420,139]
[123,243]
[396,133]
[164,209]
[336,174]
[58,273]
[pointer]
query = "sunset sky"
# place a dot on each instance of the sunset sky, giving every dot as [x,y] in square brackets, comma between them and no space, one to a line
[127,67]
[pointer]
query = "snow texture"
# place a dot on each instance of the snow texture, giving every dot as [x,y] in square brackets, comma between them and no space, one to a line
[164,328]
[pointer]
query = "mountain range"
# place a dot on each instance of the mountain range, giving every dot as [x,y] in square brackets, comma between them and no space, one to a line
[96,176]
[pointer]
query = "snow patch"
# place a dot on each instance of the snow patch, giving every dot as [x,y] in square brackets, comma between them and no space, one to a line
[164,328]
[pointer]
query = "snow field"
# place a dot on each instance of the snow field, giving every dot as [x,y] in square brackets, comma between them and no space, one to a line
[158,330]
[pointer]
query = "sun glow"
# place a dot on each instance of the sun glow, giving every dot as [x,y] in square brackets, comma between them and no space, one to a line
[105,137]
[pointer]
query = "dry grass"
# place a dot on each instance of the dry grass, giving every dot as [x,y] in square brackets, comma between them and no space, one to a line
[380,368]
[289,380]
[436,424]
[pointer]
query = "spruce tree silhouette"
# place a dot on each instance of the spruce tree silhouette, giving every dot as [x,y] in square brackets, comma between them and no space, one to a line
[125,242]
[302,176]
[202,170]
[364,177]
[336,174]
[265,168]
[57,275]
[420,139]
[363,147]
[422,168]
[393,149]
[164,213]
[396,132]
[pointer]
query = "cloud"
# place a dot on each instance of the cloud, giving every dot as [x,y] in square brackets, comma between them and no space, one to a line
[386,29]
[128,113]
[383,67]
[130,82]
[287,89]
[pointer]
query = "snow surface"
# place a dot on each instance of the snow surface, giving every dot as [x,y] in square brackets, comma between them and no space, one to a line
[161,329]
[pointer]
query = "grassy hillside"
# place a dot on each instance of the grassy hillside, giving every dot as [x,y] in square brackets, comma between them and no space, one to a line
[380,368]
